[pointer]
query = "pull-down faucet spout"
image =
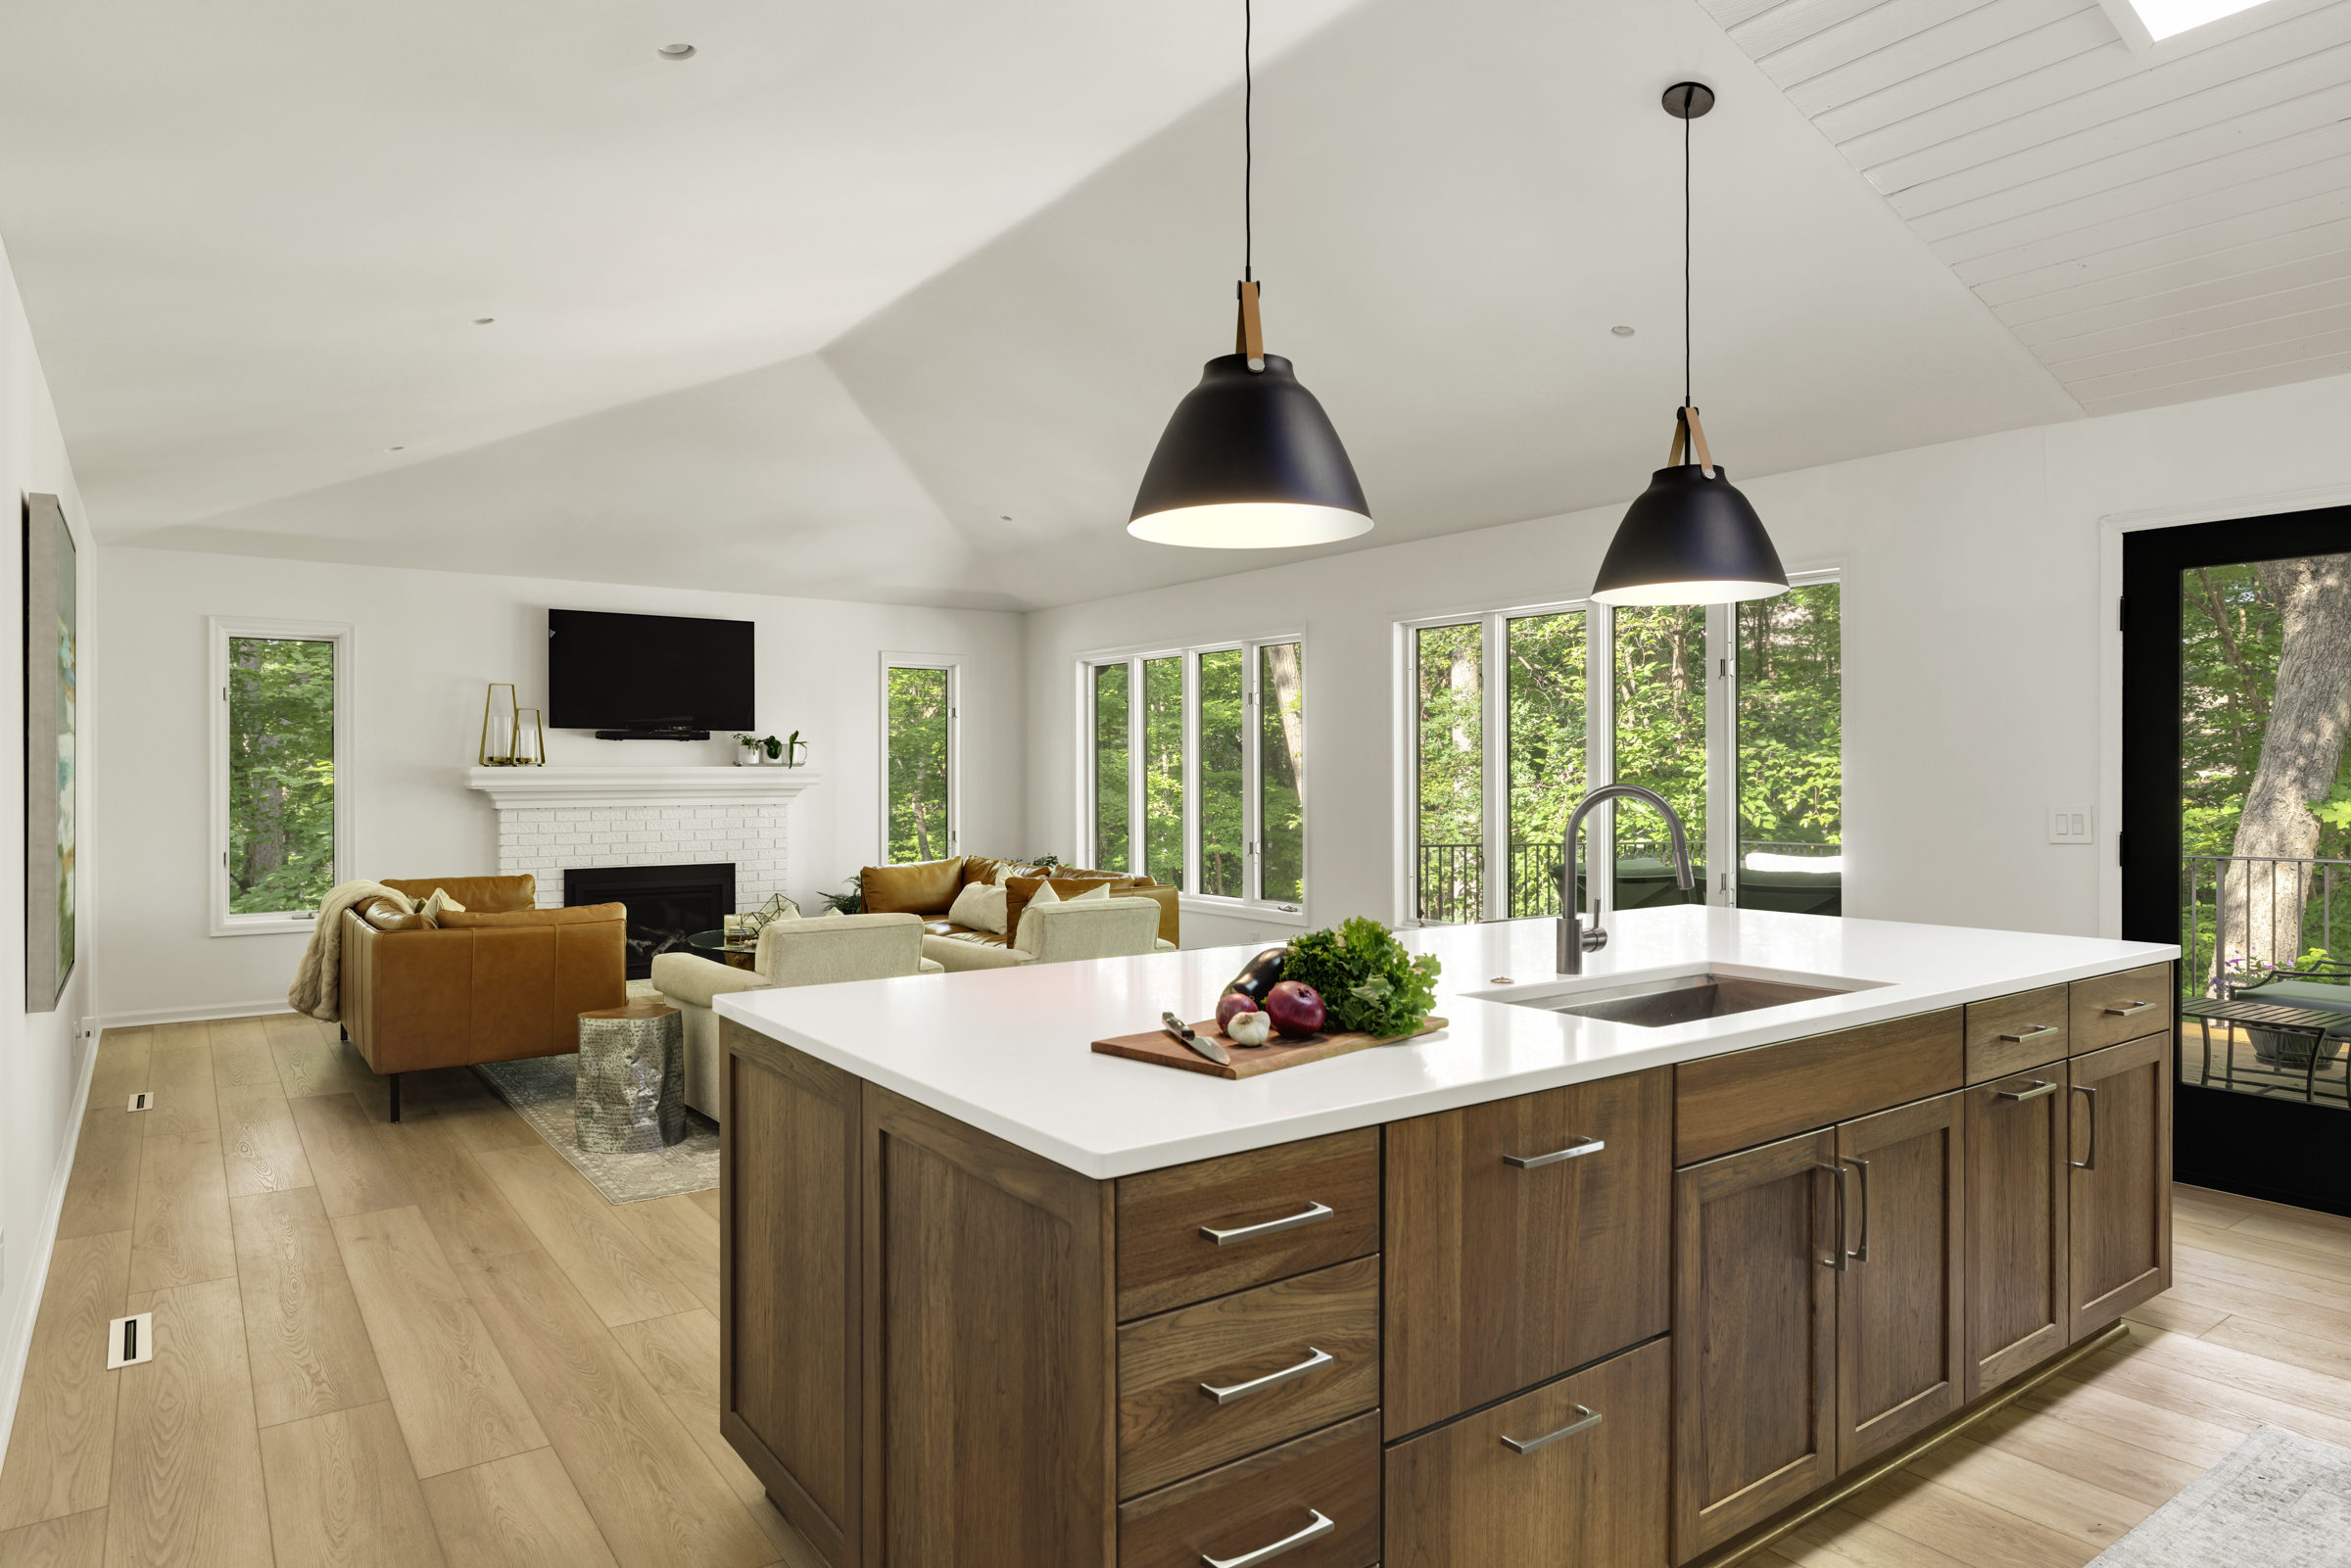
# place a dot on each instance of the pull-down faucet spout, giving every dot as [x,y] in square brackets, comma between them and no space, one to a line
[1575,941]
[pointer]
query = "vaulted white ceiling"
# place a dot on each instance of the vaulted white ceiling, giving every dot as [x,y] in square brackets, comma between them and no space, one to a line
[890,301]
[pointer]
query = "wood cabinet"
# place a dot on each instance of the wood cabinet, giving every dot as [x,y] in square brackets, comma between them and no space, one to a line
[1253,1504]
[1569,1475]
[2011,1033]
[1754,1336]
[2018,1213]
[2111,1009]
[1193,1231]
[1902,1295]
[2120,1191]
[1525,1237]
[1747,1098]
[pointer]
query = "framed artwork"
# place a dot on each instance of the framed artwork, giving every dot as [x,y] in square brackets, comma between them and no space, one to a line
[50,654]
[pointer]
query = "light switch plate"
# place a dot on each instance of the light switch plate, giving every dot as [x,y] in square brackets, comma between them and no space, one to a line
[2073,824]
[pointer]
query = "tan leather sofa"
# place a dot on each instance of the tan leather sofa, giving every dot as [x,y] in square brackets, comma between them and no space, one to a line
[502,980]
[928,888]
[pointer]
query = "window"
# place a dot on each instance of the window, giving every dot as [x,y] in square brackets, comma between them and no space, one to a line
[1731,712]
[1205,749]
[919,804]
[281,826]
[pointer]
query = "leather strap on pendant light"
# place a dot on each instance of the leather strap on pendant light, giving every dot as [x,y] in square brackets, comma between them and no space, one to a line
[1691,435]
[1248,333]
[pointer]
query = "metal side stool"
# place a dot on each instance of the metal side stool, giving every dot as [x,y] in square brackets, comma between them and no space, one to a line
[632,1087]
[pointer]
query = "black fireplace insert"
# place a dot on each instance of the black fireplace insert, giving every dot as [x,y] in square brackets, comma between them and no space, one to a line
[666,903]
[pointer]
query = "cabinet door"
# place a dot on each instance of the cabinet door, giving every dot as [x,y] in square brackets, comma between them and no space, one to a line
[1571,1475]
[2121,1186]
[1754,1336]
[988,1350]
[2016,1215]
[1525,1237]
[1901,1305]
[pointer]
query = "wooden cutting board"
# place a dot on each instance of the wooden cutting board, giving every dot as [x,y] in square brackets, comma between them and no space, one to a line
[1248,1061]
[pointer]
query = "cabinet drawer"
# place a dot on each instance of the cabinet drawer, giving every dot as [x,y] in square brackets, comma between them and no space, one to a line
[2109,1009]
[1252,1504]
[1166,1259]
[2011,1033]
[1170,1425]
[1505,1267]
[1595,1498]
[1747,1098]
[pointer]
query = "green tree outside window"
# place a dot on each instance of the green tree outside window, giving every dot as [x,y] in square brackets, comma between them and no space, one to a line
[919,828]
[281,774]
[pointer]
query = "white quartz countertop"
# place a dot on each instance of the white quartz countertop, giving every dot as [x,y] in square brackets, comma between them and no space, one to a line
[1008,1050]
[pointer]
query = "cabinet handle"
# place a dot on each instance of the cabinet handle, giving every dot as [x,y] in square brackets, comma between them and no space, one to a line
[1843,1262]
[2032,1033]
[1315,1362]
[1250,1559]
[1574,1151]
[1862,1255]
[1586,1419]
[1312,1214]
[2041,1086]
[2091,1163]
[2130,1007]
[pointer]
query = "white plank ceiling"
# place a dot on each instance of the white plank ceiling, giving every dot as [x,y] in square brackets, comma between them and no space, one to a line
[2156,225]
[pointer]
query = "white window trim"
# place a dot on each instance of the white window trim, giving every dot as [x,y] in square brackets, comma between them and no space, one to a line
[219,630]
[953,664]
[1252,904]
[1721,849]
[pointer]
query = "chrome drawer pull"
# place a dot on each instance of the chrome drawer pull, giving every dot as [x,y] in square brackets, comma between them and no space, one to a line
[2091,1163]
[2032,1033]
[1315,1362]
[2130,1007]
[1586,1419]
[1250,1559]
[1312,1214]
[1574,1151]
[2041,1086]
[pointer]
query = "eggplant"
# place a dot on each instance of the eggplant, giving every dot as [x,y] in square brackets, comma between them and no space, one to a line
[1258,977]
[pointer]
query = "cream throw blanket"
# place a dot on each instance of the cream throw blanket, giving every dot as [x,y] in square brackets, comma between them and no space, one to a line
[317,986]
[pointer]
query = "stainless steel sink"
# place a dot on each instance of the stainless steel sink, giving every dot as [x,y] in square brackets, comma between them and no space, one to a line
[1685,999]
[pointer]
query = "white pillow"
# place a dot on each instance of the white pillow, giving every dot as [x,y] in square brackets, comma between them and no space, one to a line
[979,906]
[1100,890]
[434,907]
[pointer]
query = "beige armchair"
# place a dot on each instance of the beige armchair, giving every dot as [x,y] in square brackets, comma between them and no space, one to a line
[792,952]
[1057,933]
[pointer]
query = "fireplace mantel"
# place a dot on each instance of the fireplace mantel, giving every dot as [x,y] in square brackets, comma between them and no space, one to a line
[510,789]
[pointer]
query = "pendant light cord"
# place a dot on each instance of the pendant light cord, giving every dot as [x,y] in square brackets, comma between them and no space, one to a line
[1689,96]
[1248,139]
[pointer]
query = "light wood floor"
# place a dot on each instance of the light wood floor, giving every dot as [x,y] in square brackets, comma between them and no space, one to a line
[434,1343]
[375,1345]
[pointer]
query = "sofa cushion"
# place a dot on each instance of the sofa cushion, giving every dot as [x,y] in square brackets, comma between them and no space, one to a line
[484,895]
[962,933]
[956,954]
[980,906]
[570,915]
[920,887]
[1019,891]
[691,979]
[388,914]
[440,904]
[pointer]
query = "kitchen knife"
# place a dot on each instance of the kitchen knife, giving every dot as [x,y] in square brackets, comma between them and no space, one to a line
[1208,1048]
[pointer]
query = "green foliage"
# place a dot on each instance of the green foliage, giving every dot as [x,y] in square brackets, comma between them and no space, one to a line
[918,764]
[1449,757]
[281,774]
[1790,718]
[1366,980]
[1163,771]
[1281,795]
[1662,720]
[852,902]
[1110,766]
[1546,693]
[1224,728]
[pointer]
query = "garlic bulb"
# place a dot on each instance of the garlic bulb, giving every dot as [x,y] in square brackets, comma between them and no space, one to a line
[1249,1028]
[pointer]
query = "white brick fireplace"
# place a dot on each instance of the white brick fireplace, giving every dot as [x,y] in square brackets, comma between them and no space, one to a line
[554,818]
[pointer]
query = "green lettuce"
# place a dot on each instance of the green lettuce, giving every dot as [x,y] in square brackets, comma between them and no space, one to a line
[1366,980]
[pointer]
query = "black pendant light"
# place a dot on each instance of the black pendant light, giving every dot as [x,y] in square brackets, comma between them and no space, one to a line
[1691,538]
[1250,460]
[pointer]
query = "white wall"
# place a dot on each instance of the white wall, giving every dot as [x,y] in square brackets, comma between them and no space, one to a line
[1977,622]
[46,1060]
[427,643]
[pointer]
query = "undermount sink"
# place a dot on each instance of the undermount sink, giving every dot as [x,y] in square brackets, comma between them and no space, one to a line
[1685,999]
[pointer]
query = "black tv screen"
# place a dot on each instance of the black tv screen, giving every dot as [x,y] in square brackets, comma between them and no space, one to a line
[647,672]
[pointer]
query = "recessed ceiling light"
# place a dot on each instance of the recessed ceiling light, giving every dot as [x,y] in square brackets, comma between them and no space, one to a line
[483,320]
[396,448]
[676,50]
[2167,19]
[1622,332]
[1003,519]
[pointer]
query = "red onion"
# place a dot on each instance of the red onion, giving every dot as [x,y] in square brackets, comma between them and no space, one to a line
[1296,1009]
[1230,1003]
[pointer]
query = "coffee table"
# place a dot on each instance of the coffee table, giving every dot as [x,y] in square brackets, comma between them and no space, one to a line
[740,953]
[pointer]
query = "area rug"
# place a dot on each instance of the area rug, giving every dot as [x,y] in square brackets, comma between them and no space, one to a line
[2277,1500]
[541,1089]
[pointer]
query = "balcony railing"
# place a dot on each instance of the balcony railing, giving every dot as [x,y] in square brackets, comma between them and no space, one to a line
[2253,912]
[1453,887]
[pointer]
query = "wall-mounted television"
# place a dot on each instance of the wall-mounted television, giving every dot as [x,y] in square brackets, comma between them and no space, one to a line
[648,673]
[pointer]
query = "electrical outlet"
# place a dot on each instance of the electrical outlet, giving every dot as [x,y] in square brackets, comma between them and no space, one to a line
[2069,825]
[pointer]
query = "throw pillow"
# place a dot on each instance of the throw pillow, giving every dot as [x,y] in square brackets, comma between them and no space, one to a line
[1019,891]
[979,906]
[1103,893]
[437,905]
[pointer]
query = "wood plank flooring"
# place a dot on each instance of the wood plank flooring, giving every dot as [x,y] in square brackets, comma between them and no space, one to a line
[430,1344]
[435,1344]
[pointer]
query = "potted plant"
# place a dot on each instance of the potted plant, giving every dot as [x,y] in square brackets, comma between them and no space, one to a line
[773,748]
[747,751]
[795,750]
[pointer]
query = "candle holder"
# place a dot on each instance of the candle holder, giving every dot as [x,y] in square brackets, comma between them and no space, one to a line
[530,740]
[497,726]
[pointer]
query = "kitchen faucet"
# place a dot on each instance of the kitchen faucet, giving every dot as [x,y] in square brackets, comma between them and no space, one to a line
[1575,941]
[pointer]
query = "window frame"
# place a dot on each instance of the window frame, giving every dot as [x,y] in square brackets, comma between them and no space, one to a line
[1720,851]
[1253,903]
[953,664]
[219,632]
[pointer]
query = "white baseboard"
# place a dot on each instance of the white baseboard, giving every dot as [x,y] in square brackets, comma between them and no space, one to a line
[43,1250]
[190,1015]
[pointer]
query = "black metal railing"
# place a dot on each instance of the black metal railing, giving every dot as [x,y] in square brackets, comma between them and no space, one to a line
[1451,877]
[2244,915]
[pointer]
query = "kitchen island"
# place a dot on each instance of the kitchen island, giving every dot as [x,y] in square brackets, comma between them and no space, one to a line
[1542,1287]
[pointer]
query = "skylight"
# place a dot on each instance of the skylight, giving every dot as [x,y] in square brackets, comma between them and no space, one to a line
[2168,17]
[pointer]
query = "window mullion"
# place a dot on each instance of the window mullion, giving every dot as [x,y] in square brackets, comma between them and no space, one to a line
[1189,771]
[1137,765]
[1722,755]
[1600,755]
[1494,767]
[1253,761]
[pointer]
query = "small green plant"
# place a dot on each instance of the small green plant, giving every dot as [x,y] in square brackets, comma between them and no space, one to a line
[773,748]
[1047,863]
[852,902]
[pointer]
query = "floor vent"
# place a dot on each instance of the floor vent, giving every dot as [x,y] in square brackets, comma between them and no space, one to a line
[142,1101]
[130,1340]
